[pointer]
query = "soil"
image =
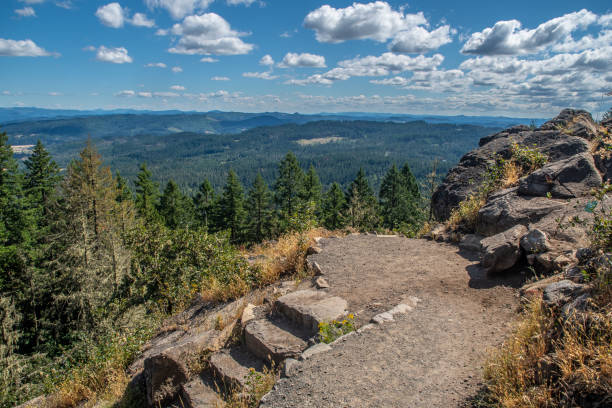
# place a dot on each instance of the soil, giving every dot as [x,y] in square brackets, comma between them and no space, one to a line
[429,357]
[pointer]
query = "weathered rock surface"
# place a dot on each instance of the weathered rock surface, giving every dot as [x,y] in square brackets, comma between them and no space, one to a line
[570,178]
[308,308]
[502,251]
[535,241]
[198,393]
[562,292]
[232,367]
[274,340]
[471,242]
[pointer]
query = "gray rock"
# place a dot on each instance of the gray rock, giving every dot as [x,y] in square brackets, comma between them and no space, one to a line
[535,241]
[313,250]
[315,268]
[562,292]
[308,308]
[198,393]
[289,367]
[502,251]
[575,274]
[39,402]
[545,262]
[232,367]
[169,368]
[321,283]
[506,209]
[584,254]
[569,178]
[316,349]
[471,242]
[576,307]
[273,340]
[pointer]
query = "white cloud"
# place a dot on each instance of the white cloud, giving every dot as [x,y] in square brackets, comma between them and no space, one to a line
[165,94]
[126,93]
[239,2]
[177,69]
[141,20]
[179,8]
[21,48]
[112,15]
[395,81]
[26,12]
[418,40]
[117,55]
[219,78]
[208,59]
[266,60]
[376,21]
[208,34]
[292,60]
[55,94]
[177,88]
[162,32]
[507,37]
[261,75]
[145,94]
[156,65]
[587,42]
[32,1]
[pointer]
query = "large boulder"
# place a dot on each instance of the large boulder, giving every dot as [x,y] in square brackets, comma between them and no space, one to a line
[562,292]
[502,251]
[569,178]
[535,241]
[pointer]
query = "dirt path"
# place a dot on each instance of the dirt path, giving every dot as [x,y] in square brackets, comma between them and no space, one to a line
[430,357]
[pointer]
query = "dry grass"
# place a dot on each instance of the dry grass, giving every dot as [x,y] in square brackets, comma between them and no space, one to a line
[285,256]
[258,385]
[550,361]
[466,213]
[512,174]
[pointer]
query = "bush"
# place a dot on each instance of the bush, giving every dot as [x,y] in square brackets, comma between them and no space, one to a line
[328,332]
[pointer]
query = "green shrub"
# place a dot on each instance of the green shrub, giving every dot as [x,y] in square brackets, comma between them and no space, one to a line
[328,332]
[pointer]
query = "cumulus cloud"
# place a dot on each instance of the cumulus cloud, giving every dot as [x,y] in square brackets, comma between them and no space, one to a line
[293,60]
[155,65]
[208,34]
[125,93]
[117,55]
[383,65]
[261,75]
[26,12]
[21,48]
[177,69]
[587,42]
[376,21]
[179,8]
[219,78]
[177,88]
[141,20]
[508,38]
[418,40]
[266,60]
[112,15]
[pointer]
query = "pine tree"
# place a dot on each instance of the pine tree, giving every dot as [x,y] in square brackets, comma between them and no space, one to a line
[362,206]
[123,191]
[175,208]
[147,195]
[289,189]
[231,207]
[12,217]
[204,201]
[333,208]
[41,178]
[259,208]
[393,199]
[312,187]
[410,182]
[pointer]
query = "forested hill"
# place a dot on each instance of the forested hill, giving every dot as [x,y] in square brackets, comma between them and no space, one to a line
[337,149]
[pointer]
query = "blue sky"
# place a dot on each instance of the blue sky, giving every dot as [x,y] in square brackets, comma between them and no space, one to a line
[527,58]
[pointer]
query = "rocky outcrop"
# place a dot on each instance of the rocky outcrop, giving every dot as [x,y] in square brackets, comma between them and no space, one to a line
[551,202]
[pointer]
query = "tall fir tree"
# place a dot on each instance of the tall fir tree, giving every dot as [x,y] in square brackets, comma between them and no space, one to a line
[312,186]
[231,211]
[147,195]
[41,178]
[393,199]
[362,206]
[204,201]
[175,208]
[333,208]
[12,216]
[289,189]
[259,209]
[411,184]
[123,190]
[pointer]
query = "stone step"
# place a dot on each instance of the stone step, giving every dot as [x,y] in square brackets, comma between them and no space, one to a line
[274,339]
[308,308]
[199,393]
[231,368]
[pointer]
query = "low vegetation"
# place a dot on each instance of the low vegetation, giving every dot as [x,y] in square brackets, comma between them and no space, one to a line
[330,331]
[503,173]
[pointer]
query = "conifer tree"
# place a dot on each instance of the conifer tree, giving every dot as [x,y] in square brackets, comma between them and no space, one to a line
[362,206]
[333,208]
[123,191]
[147,195]
[175,207]
[231,207]
[410,182]
[289,188]
[41,178]
[204,200]
[259,208]
[393,199]
[12,217]
[312,187]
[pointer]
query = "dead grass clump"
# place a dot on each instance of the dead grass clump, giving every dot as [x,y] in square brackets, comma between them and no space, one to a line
[466,213]
[285,256]
[257,385]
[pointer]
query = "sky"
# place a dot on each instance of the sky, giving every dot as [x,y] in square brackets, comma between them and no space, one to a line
[512,58]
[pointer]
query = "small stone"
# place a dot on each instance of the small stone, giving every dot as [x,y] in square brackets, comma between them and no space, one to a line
[367,327]
[321,283]
[315,268]
[535,241]
[584,254]
[290,367]
[561,261]
[316,349]
[382,318]
[313,250]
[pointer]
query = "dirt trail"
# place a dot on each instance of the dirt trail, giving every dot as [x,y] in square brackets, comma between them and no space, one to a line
[430,357]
